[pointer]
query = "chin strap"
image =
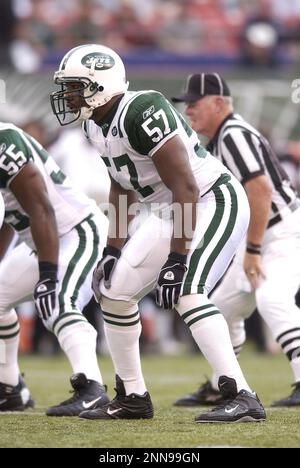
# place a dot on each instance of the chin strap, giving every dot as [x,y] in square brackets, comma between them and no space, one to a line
[86,113]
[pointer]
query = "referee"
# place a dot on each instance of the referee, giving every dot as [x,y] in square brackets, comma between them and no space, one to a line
[266,270]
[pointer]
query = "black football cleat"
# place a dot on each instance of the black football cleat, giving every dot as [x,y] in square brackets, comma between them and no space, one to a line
[15,398]
[206,395]
[87,394]
[123,406]
[242,406]
[292,400]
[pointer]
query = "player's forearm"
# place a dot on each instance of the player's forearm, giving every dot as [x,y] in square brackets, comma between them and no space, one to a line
[31,192]
[45,235]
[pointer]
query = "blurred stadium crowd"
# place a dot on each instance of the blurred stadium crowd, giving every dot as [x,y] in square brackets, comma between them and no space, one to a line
[34,33]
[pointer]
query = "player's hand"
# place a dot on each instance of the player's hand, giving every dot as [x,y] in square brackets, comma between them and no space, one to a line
[105,269]
[254,270]
[170,280]
[45,297]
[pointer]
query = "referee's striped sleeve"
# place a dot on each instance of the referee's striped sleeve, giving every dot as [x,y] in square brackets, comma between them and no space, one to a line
[240,153]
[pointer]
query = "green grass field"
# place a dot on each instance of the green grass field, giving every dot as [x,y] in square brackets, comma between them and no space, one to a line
[167,378]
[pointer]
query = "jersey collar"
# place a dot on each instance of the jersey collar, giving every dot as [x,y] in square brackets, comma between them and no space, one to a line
[108,118]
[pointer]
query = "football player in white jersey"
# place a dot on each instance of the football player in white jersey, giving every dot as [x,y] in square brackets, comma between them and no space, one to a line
[153,156]
[62,234]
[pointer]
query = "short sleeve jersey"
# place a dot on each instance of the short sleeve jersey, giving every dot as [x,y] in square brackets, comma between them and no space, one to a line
[17,149]
[133,131]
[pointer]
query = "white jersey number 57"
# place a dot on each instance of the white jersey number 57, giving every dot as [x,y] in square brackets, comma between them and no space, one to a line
[159,115]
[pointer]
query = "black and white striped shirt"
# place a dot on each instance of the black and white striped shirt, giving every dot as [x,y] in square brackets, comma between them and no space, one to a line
[248,154]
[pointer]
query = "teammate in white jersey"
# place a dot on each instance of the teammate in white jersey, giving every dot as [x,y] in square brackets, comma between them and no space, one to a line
[62,234]
[266,271]
[154,156]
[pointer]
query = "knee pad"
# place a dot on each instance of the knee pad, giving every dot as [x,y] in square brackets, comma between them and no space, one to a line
[122,308]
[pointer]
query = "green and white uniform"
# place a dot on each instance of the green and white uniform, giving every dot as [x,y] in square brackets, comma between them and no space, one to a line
[137,126]
[82,229]
[16,150]
[132,133]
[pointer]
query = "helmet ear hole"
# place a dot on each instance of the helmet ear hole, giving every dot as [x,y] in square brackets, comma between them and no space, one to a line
[95,87]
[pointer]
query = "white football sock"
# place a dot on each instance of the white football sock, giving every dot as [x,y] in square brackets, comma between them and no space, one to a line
[78,341]
[9,369]
[214,378]
[212,336]
[210,331]
[123,343]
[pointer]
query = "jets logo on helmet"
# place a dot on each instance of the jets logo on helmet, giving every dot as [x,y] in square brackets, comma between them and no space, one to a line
[88,76]
[99,62]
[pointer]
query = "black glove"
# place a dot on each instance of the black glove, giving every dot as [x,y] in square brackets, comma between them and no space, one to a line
[170,280]
[105,269]
[45,290]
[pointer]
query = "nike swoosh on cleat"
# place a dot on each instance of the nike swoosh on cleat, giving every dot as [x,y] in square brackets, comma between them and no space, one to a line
[110,412]
[3,401]
[231,410]
[89,404]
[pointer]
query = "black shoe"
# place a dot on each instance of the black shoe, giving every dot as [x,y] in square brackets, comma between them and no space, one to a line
[132,406]
[205,395]
[15,398]
[88,394]
[292,400]
[240,406]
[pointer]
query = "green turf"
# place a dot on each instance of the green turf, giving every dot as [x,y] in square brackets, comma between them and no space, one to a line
[167,379]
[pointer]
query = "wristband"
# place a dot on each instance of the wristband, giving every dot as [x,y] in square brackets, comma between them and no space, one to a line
[253,248]
[48,270]
[177,257]
[113,251]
